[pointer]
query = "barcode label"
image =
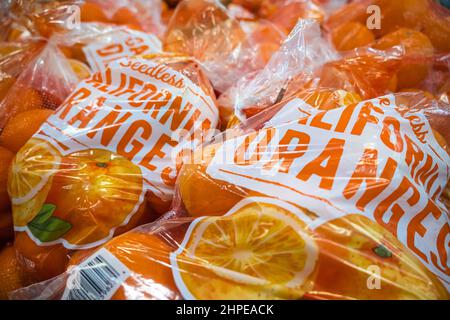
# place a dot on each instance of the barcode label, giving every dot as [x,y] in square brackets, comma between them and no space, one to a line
[97,278]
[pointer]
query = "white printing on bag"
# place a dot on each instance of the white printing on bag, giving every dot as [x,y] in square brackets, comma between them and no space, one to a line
[120,44]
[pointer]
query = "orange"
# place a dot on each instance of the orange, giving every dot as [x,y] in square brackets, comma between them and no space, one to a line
[354,11]
[80,69]
[262,251]
[40,262]
[326,99]
[354,246]
[6,227]
[6,157]
[286,14]
[202,194]
[441,141]
[437,27]
[125,16]
[134,26]
[351,35]
[20,98]
[5,84]
[419,100]
[12,274]
[29,179]
[147,258]
[21,127]
[367,75]
[75,52]
[91,12]
[417,48]
[87,186]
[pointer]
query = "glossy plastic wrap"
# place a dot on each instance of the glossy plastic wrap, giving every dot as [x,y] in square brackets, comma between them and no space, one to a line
[39,79]
[290,68]
[227,48]
[427,16]
[306,61]
[144,15]
[97,45]
[45,18]
[297,203]
[114,145]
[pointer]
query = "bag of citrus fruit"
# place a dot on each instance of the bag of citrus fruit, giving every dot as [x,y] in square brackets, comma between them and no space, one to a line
[32,94]
[362,21]
[291,67]
[227,48]
[286,13]
[142,15]
[297,203]
[107,159]
[97,45]
[306,66]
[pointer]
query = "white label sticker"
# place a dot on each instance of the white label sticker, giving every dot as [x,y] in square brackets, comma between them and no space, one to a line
[97,278]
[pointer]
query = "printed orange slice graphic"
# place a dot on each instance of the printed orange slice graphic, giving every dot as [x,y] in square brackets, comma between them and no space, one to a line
[262,251]
[29,178]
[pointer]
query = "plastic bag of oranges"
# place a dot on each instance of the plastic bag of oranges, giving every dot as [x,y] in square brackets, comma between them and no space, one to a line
[45,79]
[427,16]
[291,67]
[228,48]
[107,159]
[298,203]
[308,67]
[143,15]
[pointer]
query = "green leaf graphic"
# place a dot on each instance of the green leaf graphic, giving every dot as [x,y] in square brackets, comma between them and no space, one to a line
[44,214]
[47,228]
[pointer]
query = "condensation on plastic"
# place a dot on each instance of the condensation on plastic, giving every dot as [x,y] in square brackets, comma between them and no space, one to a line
[270,233]
[42,76]
[227,48]
[112,145]
[294,64]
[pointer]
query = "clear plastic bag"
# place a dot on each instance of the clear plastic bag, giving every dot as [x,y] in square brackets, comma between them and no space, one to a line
[42,78]
[97,45]
[227,48]
[427,16]
[140,14]
[296,203]
[293,65]
[114,146]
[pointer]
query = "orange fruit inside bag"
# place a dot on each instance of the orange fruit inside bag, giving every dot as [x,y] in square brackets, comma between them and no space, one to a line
[68,200]
[262,250]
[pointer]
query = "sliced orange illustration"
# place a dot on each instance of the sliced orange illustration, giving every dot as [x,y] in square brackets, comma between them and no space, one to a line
[260,252]
[29,178]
